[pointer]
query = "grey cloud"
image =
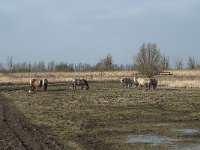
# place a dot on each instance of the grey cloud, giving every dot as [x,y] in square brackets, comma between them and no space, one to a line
[65,29]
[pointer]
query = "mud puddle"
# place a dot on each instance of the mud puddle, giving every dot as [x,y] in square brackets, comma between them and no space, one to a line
[166,140]
[152,139]
[185,130]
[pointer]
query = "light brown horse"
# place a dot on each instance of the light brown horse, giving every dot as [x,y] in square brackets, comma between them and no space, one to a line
[147,82]
[38,83]
[80,82]
[35,83]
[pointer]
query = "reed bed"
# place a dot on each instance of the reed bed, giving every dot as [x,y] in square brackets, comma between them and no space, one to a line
[54,77]
[180,83]
[193,73]
[179,79]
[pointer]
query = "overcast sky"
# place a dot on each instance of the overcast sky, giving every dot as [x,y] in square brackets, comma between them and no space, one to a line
[86,31]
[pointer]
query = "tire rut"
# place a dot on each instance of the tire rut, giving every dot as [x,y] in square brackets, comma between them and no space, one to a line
[18,133]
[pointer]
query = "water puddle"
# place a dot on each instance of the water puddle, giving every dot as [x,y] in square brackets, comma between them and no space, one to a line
[153,139]
[179,143]
[185,130]
[186,147]
[161,124]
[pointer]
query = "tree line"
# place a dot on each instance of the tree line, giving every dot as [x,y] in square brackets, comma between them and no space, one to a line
[148,61]
[105,64]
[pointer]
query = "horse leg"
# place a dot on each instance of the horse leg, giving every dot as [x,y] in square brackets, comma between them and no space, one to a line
[130,84]
[33,88]
[147,86]
[45,87]
[74,86]
[154,86]
[139,86]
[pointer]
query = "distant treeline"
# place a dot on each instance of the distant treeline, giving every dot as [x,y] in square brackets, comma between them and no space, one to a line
[105,64]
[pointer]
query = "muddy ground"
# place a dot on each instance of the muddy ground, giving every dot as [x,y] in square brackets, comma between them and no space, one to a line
[104,117]
[17,132]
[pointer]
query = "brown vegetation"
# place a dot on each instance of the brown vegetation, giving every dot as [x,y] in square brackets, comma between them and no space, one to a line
[106,115]
[183,78]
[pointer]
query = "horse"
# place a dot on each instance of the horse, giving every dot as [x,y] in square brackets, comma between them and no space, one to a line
[154,83]
[80,82]
[125,81]
[35,83]
[45,84]
[147,82]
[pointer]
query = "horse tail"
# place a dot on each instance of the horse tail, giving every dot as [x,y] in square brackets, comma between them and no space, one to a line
[45,83]
[40,82]
[86,84]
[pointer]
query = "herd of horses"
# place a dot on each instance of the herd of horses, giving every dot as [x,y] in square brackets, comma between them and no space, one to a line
[139,82]
[125,82]
[38,83]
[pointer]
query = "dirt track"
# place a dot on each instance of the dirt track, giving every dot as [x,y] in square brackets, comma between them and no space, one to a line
[17,133]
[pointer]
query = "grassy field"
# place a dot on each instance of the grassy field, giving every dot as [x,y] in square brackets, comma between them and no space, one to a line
[180,79]
[111,117]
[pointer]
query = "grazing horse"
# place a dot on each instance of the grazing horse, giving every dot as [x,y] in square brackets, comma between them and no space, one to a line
[125,81]
[80,82]
[135,81]
[35,83]
[45,84]
[147,82]
[154,83]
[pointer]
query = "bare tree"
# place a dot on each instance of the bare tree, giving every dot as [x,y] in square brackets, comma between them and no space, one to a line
[191,63]
[2,69]
[105,64]
[179,64]
[149,60]
[41,66]
[62,66]
[165,63]
[21,67]
[51,66]
[9,64]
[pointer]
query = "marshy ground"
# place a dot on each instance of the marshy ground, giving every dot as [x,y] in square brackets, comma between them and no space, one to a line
[105,117]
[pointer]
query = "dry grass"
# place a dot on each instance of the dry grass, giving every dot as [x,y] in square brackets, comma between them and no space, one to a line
[181,84]
[54,77]
[107,114]
[194,73]
[180,78]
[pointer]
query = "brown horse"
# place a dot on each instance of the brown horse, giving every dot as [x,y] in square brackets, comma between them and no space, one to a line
[80,82]
[154,83]
[45,84]
[126,82]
